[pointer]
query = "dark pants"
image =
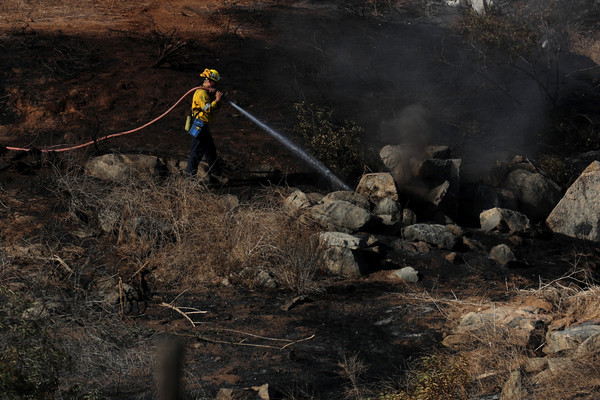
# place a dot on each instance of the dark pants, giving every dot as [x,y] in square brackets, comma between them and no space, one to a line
[203,145]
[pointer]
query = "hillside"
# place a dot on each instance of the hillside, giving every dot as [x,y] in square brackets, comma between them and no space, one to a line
[224,281]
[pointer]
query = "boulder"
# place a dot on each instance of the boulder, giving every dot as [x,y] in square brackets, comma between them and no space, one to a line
[479,6]
[341,239]
[502,254]
[342,261]
[590,347]
[521,322]
[403,161]
[504,220]
[513,388]
[437,235]
[535,365]
[298,200]
[437,194]
[408,217]
[388,206]
[119,167]
[377,186]
[578,213]
[354,198]
[406,274]
[536,194]
[340,254]
[569,338]
[340,215]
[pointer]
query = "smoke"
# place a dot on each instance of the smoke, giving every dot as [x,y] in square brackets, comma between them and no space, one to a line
[416,84]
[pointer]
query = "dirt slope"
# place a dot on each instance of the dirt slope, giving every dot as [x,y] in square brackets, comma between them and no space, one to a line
[75,72]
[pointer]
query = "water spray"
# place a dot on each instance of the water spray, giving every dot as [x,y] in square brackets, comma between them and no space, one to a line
[320,167]
[289,144]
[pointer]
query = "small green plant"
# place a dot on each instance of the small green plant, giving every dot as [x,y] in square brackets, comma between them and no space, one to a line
[337,144]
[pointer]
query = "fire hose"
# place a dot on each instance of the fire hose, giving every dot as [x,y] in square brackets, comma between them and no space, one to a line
[52,149]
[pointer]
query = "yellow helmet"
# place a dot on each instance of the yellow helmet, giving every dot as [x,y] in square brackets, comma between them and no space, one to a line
[211,74]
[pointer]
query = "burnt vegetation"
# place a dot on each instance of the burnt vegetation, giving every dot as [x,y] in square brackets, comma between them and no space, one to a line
[94,275]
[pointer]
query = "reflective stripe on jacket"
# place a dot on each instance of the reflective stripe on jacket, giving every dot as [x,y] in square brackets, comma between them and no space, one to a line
[202,103]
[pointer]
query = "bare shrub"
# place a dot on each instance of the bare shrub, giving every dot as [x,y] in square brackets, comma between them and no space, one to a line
[299,265]
[352,369]
[71,57]
[105,353]
[187,235]
[581,381]
[575,295]
[436,376]
[587,45]
[167,43]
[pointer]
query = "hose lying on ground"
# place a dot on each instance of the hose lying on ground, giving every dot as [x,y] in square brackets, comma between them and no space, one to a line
[53,149]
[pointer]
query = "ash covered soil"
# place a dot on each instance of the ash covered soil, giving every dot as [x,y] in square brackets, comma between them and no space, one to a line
[75,72]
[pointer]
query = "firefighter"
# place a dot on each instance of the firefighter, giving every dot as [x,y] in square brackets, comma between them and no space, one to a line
[204,105]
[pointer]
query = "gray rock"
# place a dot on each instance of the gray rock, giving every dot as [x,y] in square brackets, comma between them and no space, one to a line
[403,161]
[513,388]
[113,293]
[560,365]
[504,220]
[590,347]
[406,274]
[40,309]
[342,240]
[265,279]
[388,206]
[230,201]
[342,261]
[578,213]
[535,365]
[537,195]
[377,186]
[437,235]
[354,198]
[340,254]
[569,338]
[408,217]
[120,167]
[340,216]
[298,200]
[502,254]
[437,194]
[521,322]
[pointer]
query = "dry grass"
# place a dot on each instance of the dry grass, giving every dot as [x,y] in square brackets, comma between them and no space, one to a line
[187,235]
[587,45]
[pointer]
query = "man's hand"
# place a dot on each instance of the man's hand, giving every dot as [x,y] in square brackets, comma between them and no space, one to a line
[218,96]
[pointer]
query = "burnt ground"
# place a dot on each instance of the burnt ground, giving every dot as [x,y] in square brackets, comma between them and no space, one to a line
[72,73]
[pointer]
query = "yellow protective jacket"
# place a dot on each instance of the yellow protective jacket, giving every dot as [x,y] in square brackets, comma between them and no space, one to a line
[204,106]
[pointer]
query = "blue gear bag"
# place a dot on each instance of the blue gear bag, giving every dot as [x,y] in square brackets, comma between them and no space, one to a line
[196,127]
